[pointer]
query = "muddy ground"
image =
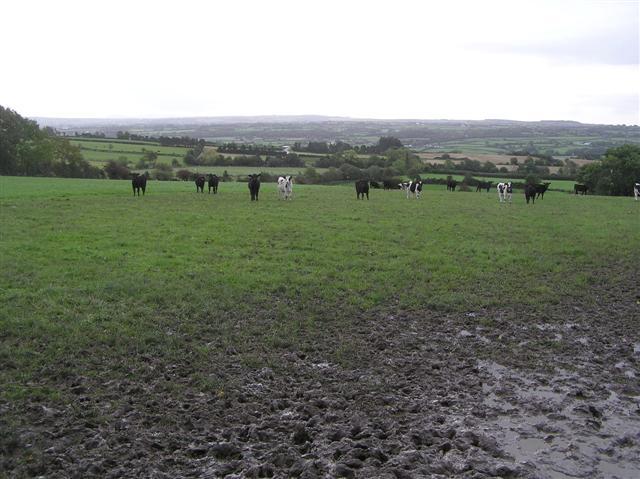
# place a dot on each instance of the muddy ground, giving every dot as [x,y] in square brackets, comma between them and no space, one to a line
[500,393]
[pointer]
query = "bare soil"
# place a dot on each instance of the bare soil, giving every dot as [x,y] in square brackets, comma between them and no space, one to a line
[502,393]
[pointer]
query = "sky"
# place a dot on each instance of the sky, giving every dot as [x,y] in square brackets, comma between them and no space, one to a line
[395,59]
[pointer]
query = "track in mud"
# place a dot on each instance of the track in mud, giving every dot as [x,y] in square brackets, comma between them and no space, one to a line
[482,394]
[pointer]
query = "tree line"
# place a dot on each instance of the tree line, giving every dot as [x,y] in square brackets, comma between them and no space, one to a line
[28,150]
[251,149]
[384,143]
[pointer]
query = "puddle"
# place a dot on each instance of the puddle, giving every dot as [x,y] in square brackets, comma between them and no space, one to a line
[536,420]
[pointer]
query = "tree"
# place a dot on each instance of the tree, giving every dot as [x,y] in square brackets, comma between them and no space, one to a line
[25,149]
[386,143]
[163,172]
[116,171]
[615,174]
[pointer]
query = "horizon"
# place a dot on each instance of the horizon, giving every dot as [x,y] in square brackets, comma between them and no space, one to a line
[571,60]
[310,118]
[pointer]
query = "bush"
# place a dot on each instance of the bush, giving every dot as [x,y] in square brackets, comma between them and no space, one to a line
[163,172]
[117,171]
[184,175]
[615,174]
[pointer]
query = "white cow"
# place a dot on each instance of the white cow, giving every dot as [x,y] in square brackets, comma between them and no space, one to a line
[502,189]
[285,187]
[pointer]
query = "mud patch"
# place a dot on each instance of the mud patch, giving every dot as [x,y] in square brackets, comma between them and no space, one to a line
[494,393]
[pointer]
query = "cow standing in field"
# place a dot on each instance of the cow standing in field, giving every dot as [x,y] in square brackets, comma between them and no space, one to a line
[200,184]
[212,183]
[451,184]
[582,189]
[413,188]
[254,186]
[508,192]
[541,188]
[484,185]
[530,193]
[502,188]
[362,188]
[139,182]
[285,187]
[389,184]
[636,190]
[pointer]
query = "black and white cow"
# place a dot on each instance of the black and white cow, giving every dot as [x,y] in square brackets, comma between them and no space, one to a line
[200,184]
[285,187]
[508,192]
[636,190]
[362,188]
[213,182]
[413,188]
[502,190]
[254,186]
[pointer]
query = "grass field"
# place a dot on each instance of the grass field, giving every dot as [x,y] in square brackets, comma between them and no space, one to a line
[491,146]
[161,331]
[90,273]
[100,151]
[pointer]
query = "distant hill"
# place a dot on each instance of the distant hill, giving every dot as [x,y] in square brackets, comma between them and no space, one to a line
[491,136]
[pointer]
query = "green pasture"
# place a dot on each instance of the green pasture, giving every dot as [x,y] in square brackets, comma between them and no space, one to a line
[130,147]
[93,279]
[498,145]
[99,151]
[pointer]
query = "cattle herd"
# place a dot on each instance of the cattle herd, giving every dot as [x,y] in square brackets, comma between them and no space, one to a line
[412,188]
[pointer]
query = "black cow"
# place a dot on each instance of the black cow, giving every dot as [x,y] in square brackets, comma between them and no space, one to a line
[582,189]
[200,184]
[139,182]
[254,186]
[390,184]
[212,182]
[362,188]
[541,188]
[451,184]
[530,193]
[484,185]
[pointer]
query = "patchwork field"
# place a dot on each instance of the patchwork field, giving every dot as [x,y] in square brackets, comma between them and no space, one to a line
[184,334]
[100,151]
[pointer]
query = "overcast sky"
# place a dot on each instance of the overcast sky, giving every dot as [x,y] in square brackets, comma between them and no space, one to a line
[455,59]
